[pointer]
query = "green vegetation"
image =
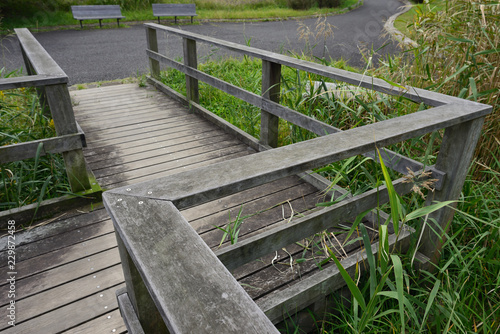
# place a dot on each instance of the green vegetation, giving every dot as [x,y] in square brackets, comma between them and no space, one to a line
[457,54]
[33,14]
[31,180]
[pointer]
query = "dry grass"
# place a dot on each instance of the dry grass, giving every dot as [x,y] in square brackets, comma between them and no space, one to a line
[458,54]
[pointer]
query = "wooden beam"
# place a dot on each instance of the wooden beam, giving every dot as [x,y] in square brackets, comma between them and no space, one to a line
[152,44]
[41,61]
[392,160]
[287,233]
[191,61]
[454,158]
[229,177]
[414,94]
[31,81]
[28,150]
[269,123]
[191,288]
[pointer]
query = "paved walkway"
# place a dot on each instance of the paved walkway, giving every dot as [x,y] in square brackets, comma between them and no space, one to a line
[107,54]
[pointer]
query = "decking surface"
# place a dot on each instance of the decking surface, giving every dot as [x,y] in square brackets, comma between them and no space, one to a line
[69,269]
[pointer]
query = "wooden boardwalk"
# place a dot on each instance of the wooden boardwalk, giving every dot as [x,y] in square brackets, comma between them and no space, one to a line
[68,270]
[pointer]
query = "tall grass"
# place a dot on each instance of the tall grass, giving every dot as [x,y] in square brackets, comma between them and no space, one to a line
[31,180]
[457,54]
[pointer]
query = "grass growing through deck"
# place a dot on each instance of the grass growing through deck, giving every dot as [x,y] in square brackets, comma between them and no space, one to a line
[458,55]
[31,180]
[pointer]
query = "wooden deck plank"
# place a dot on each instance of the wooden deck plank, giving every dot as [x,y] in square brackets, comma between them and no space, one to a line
[224,203]
[66,294]
[95,125]
[173,167]
[165,157]
[61,256]
[255,224]
[66,221]
[167,138]
[173,124]
[179,169]
[63,240]
[100,159]
[63,274]
[71,315]
[98,224]
[162,140]
[129,110]
[137,134]
[119,97]
[110,322]
[276,203]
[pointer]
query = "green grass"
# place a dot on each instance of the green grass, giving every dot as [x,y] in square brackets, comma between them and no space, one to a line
[458,55]
[60,15]
[418,14]
[31,180]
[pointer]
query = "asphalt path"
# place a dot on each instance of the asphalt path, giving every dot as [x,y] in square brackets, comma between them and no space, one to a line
[91,55]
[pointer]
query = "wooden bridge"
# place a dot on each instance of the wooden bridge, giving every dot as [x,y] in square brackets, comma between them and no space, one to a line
[175,171]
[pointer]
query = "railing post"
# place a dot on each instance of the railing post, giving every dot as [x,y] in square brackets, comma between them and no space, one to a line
[455,156]
[152,41]
[271,75]
[42,98]
[191,60]
[59,102]
[144,306]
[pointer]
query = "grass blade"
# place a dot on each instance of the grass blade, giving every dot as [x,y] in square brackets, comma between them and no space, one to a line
[398,273]
[393,197]
[350,283]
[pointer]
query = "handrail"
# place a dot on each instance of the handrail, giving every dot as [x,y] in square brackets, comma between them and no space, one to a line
[147,218]
[51,83]
[269,107]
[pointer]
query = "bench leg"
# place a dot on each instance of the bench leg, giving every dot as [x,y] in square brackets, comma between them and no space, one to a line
[81,25]
[191,19]
[158,20]
[100,24]
[118,21]
[175,19]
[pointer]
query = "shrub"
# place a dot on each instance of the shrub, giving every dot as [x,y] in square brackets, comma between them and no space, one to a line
[329,3]
[300,4]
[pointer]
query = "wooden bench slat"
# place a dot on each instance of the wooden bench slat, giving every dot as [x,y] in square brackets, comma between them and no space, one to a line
[174,9]
[97,12]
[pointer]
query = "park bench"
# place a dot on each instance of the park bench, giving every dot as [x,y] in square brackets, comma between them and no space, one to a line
[97,12]
[174,9]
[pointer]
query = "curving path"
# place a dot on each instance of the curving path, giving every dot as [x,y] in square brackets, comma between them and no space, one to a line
[107,54]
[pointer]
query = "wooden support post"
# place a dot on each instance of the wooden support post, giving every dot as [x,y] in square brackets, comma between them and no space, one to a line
[144,306]
[271,75]
[455,156]
[191,60]
[59,102]
[152,42]
[42,98]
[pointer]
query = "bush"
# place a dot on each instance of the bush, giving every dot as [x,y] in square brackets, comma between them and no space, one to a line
[329,3]
[300,4]
[27,8]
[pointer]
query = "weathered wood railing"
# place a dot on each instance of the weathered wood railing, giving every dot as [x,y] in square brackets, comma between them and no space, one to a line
[175,281]
[51,83]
